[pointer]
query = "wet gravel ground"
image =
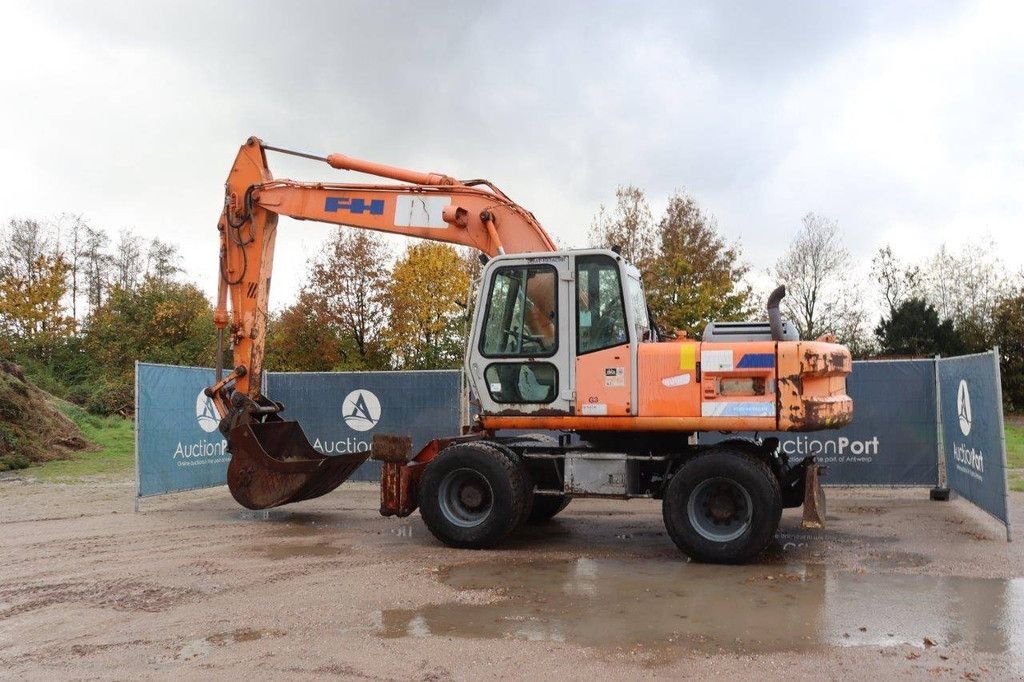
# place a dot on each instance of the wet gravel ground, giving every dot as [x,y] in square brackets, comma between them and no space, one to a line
[194,586]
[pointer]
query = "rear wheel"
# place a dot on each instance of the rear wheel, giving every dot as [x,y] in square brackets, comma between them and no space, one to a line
[473,494]
[546,507]
[722,506]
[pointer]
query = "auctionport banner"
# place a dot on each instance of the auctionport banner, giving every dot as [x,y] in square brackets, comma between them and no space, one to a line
[177,444]
[893,439]
[340,411]
[972,431]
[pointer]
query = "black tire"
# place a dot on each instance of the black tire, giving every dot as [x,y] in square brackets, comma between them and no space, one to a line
[472,495]
[546,507]
[517,460]
[722,507]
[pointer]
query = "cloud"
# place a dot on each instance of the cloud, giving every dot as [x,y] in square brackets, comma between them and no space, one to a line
[900,121]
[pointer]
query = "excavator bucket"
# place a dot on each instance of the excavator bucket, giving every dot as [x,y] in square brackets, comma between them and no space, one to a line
[272,463]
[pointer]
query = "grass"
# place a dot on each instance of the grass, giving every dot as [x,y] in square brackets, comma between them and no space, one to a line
[115,457]
[1015,445]
[1015,453]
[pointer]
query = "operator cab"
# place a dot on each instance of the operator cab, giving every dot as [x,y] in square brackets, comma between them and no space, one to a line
[541,317]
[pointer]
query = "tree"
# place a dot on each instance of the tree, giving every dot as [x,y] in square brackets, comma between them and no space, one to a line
[33,284]
[1008,318]
[695,277]
[127,260]
[75,239]
[349,284]
[300,340]
[629,226]
[31,309]
[898,282]
[162,260]
[165,322]
[815,271]
[426,297]
[97,266]
[965,286]
[914,329]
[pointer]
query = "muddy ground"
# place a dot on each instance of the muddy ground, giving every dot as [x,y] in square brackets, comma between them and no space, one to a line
[194,586]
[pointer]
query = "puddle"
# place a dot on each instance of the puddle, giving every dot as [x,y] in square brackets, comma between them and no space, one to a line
[666,608]
[201,647]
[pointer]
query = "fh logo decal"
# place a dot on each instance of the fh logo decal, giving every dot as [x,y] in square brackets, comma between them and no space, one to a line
[361,410]
[963,407]
[354,205]
[206,413]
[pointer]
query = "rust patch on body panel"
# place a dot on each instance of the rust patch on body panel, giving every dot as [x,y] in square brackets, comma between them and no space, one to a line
[389,448]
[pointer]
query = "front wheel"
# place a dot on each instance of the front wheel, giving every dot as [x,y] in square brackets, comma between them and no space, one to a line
[474,494]
[722,507]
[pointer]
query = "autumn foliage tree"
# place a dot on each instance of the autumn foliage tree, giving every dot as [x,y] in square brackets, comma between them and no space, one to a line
[426,299]
[627,226]
[694,276]
[33,284]
[300,340]
[165,322]
[347,287]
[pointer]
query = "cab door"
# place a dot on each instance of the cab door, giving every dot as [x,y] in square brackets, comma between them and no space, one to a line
[605,350]
[519,359]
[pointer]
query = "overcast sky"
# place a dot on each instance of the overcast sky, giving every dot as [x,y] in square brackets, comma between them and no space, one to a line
[903,121]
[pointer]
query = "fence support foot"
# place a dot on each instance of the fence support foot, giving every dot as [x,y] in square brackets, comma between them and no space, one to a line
[938,494]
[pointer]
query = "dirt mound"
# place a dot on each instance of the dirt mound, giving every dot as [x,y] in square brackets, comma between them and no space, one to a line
[32,428]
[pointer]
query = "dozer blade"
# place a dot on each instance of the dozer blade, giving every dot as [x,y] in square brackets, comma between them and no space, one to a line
[272,463]
[814,498]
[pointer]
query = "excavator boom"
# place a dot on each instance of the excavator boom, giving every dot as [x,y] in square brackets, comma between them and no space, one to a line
[272,462]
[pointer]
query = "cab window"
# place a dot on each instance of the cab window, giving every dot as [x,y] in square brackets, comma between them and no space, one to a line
[600,313]
[522,315]
[522,382]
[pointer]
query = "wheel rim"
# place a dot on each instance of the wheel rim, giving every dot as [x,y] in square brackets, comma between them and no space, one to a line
[720,509]
[465,498]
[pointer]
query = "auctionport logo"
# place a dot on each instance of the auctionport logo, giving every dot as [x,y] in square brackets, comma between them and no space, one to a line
[361,410]
[202,451]
[963,407]
[968,460]
[206,413]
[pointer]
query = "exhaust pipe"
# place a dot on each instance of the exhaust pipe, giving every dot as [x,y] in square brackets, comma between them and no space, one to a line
[774,316]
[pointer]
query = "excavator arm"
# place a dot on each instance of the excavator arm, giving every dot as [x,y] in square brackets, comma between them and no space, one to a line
[272,462]
[432,206]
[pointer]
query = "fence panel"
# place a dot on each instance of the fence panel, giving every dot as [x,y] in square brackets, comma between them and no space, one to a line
[972,431]
[340,411]
[178,446]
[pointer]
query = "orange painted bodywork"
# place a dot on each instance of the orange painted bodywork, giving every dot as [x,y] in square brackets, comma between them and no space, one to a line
[803,389]
[603,382]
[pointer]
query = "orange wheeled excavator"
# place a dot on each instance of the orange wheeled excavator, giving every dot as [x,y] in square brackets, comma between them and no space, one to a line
[561,341]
